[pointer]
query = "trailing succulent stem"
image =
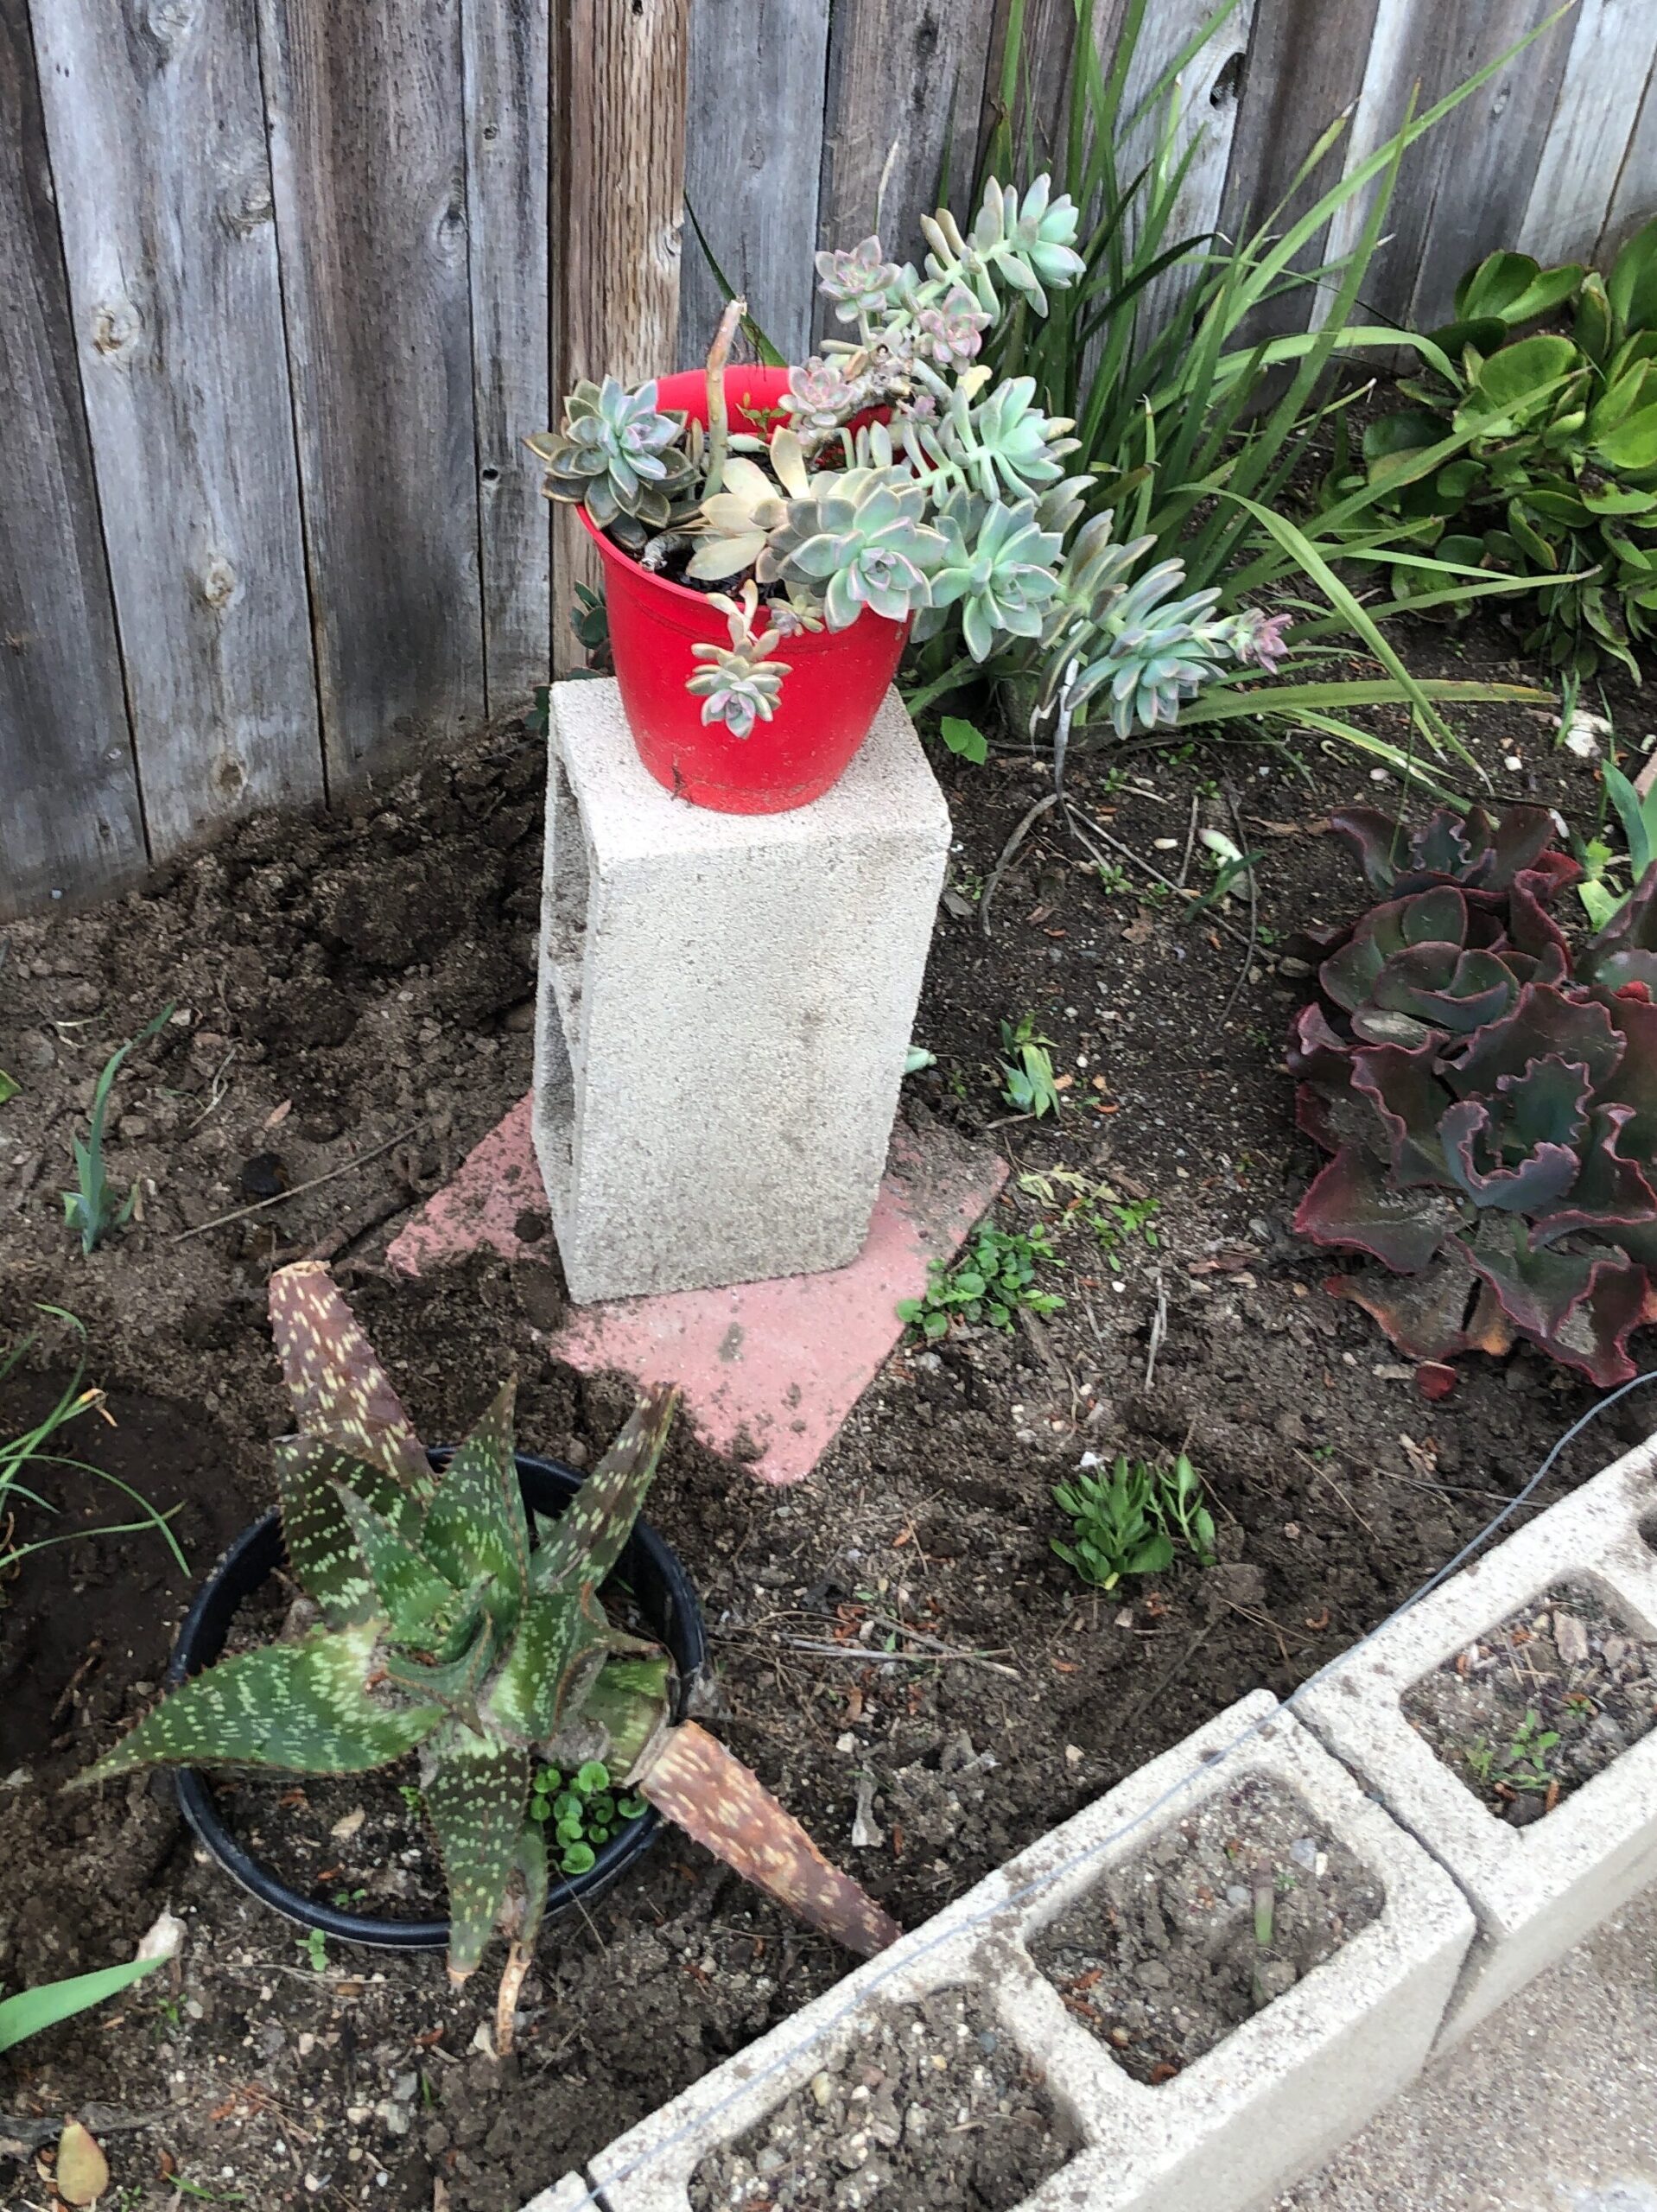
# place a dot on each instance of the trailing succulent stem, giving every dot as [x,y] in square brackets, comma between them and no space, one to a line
[452,1626]
[1488,1096]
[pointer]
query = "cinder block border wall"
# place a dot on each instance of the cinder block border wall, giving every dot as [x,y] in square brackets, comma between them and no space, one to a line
[1473,1910]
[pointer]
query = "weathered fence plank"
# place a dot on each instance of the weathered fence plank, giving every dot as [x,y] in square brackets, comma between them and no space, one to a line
[750,178]
[1205,97]
[1462,188]
[1036,116]
[1298,79]
[507,131]
[171,253]
[1597,109]
[906,93]
[368,156]
[618,207]
[69,815]
[1634,198]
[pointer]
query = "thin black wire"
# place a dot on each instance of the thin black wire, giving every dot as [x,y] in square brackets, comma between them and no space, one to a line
[1204,1772]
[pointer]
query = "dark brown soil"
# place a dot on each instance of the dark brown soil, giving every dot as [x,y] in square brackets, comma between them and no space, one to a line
[931,2106]
[1224,1913]
[366,983]
[1534,1709]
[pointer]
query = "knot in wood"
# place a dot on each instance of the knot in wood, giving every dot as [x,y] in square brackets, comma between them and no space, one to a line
[217,582]
[117,327]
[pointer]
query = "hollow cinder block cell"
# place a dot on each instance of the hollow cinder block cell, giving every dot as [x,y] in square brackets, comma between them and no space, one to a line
[725,1001]
[1536,1889]
[1268,2101]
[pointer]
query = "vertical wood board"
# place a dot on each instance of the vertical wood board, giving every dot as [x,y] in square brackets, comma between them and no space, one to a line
[367,123]
[171,253]
[1202,106]
[1305,67]
[1037,116]
[619,209]
[1598,110]
[753,118]
[507,97]
[906,86]
[70,822]
[1633,196]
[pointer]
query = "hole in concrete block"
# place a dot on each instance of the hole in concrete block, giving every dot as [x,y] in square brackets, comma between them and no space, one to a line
[568,881]
[1540,1703]
[1220,1913]
[928,2104]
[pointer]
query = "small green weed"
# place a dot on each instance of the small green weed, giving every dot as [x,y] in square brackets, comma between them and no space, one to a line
[1131,1519]
[1520,1764]
[993,1279]
[315,1946]
[964,739]
[1028,1083]
[584,1811]
[90,1208]
[1116,1221]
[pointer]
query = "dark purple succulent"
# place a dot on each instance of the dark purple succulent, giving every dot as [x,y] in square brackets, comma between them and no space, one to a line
[1490,1101]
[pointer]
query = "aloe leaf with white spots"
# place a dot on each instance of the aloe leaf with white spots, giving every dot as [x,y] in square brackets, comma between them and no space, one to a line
[592,1533]
[475,1797]
[335,1379]
[476,1524]
[305,1707]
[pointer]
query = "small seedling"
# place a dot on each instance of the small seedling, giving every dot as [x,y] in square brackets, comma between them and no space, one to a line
[584,1812]
[1520,1764]
[1029,1085]
[1130,1519]
[344,1899]
[410,1793]
[314,1945]
[994,1280]
[1113,1220]
[8,1086]
[964,739]
[90,1208]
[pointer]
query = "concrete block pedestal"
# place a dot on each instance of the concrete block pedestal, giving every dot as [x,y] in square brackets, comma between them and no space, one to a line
[725,1005]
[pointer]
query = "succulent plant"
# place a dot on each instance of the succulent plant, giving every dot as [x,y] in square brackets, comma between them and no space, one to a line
[1029,246]
[741,684]
[997,566]
[1490,1102]
[863,540]
[618,457]
[737,520]
[857,281]
[951,334]
[451,1625]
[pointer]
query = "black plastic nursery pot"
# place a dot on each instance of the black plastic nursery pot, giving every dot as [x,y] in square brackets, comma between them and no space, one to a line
[667,1603]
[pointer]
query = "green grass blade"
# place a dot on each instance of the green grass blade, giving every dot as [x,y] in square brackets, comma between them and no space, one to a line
[32,2010]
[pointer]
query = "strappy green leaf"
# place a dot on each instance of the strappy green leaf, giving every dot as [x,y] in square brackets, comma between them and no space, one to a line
[416,1598]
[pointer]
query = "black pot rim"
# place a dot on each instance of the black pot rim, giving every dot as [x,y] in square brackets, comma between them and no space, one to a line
[668,1596]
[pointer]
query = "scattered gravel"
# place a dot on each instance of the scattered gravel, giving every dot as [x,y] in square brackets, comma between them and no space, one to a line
[932,2106]
[1205,1927]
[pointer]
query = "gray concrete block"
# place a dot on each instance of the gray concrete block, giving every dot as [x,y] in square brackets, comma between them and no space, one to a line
[572,2194]
[725,1001]
[1266,2104]
[1538,1890]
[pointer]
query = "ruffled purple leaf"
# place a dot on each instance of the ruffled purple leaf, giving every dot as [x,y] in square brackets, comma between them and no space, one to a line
[1425,1314]
[1537,1183]
[1354,1206]
[1411,1102]
[1543,1020]
[1578,1306]
[1445,988]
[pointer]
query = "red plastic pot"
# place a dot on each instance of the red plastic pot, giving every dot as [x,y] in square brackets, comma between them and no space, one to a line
[835,682]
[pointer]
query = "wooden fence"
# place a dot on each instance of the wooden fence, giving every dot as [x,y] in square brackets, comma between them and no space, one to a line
[284,285]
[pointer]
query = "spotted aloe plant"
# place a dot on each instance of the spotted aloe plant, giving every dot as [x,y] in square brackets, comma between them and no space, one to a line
[1490,1101]
[450,1626]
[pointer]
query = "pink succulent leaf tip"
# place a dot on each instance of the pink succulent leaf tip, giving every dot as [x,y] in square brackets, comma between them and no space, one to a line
[1489,1098]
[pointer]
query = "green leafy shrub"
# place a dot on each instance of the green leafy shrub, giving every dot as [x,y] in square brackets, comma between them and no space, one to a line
[449,1629]
[1557,470]
[1489,1098]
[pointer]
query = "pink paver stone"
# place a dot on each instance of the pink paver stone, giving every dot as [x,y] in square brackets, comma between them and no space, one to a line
[767,1368]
